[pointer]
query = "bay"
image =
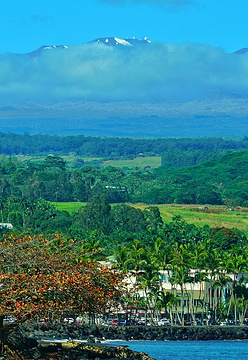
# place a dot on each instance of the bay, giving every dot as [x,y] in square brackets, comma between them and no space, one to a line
[190,350]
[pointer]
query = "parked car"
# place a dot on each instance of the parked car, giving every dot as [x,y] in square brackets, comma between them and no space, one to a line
[79,320]
[123,322]
[164,322]
[9,319]
[69,320]
[42,320]
[187,323]
[223,323]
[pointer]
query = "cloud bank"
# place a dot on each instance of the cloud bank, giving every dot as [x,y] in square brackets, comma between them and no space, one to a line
[95,72]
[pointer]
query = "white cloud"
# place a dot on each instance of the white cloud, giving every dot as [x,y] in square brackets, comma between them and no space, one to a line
[159,71]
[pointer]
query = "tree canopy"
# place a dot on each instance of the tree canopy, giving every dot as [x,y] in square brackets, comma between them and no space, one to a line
[46,277]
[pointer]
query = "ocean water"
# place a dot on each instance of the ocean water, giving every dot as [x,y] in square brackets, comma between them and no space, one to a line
[190,350]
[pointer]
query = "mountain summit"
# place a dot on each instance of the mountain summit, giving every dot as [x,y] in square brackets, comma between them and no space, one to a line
[46,47]
[114,41]
[109,41]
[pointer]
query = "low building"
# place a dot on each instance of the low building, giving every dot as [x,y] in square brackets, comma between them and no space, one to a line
[8,226]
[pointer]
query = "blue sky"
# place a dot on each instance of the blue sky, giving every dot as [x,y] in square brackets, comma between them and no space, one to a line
[26,25]
[188,58]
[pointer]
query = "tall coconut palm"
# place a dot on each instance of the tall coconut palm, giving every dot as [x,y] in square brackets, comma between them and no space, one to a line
[180,267]
[135,264]
[236,264]
[199,275]
[213,267]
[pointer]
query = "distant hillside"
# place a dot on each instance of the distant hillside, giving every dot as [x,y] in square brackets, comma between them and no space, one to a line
[217,181]
[115,86]
[176,152]
[221,181]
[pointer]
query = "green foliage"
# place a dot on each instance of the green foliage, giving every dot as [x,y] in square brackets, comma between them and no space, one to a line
[153,218]
[126,218]
[55,161]
[219,181]
[37,216]
[147,162]
[195,192]
[180,232]
[225,239]
[159,195]
[95,214]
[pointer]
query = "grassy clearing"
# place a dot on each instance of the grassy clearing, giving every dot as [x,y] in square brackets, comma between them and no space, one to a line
[69,159]
[70,207]
[141,162]
[213,216]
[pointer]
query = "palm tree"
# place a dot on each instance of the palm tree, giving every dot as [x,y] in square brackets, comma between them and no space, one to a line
[213,267]
[236,264]
[241,293]
[159,256]
[197,263]
[180,267]
[120,256]
[135,265]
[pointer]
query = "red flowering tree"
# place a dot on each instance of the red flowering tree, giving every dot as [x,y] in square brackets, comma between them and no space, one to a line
[45,278]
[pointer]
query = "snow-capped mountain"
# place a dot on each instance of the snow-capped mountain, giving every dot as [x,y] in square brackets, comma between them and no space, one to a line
[46,47]
[109,41]
[114,41]
[126,86]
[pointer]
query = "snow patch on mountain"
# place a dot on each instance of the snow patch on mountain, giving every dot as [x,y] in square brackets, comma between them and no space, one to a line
[46,47]
[122,42]
[114,41]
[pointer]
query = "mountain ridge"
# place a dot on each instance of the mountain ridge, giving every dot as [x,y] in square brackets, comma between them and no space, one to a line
[161,89]
[112,41]
[108,41]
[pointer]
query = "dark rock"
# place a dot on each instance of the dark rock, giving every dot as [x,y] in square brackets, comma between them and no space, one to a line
[33,353]
[27,336]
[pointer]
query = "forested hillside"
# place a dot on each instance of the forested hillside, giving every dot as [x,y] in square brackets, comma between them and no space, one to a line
[106,226]
[219,181]
[176,152]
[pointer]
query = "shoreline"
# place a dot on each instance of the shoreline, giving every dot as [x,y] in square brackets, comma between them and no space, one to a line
[100,334]
[53,341]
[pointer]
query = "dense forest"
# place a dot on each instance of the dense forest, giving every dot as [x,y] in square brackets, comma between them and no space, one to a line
[106,227]
[109,226]
[136,242]
[176,152]
[28,185]
[218,181]
[53,273]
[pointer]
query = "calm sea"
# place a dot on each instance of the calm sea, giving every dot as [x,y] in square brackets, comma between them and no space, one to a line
[190,350]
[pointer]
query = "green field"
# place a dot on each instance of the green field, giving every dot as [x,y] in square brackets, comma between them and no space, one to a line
[213,216]
[141,162]
[69,159]
[70,207]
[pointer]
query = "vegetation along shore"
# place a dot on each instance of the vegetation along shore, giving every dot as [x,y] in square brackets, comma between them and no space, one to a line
[90,250]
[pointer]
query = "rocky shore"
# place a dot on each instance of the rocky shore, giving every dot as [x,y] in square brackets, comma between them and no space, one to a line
[99,333]
[61,341]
